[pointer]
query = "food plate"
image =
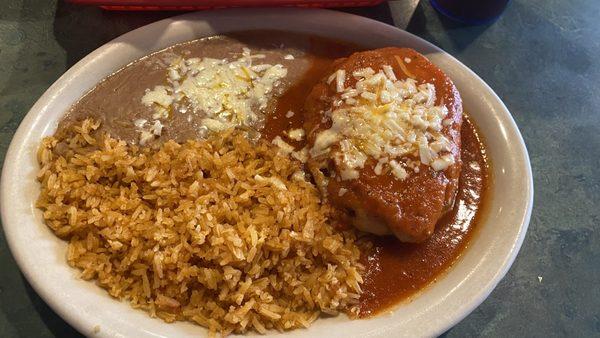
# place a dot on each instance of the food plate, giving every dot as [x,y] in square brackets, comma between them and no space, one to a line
[41,256]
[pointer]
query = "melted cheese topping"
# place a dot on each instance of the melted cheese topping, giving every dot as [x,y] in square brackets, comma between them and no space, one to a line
[148,131]
[227,93]
[296,134]
[392,121]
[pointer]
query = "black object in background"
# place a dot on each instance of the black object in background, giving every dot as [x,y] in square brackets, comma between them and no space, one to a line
[471,11]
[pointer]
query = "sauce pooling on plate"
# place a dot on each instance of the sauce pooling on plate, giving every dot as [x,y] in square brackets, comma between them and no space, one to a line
[394,270]
[397,271]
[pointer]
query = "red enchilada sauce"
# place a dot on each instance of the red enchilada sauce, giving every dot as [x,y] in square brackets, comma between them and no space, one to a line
[394,270]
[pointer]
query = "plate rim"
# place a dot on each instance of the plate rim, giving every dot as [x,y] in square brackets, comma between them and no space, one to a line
[25,128]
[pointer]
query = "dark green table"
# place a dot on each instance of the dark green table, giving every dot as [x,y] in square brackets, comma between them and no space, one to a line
[542,57]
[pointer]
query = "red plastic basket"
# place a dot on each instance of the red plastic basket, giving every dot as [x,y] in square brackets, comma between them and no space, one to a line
[189,5]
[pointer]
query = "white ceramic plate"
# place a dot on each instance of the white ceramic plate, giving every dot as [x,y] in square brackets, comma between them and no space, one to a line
[41,256]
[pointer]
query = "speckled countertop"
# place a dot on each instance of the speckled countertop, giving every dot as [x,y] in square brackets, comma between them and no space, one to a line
[542,57]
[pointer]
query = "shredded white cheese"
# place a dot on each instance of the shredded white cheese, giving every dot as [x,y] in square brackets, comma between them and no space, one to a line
[217,125]
[349,174]
[145,137]
[296,134]
[148,131]
[156,128]
[227,93]
[379,167]
[284,148]
[398,170]
[139,123]
[389,120]
[159,95]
